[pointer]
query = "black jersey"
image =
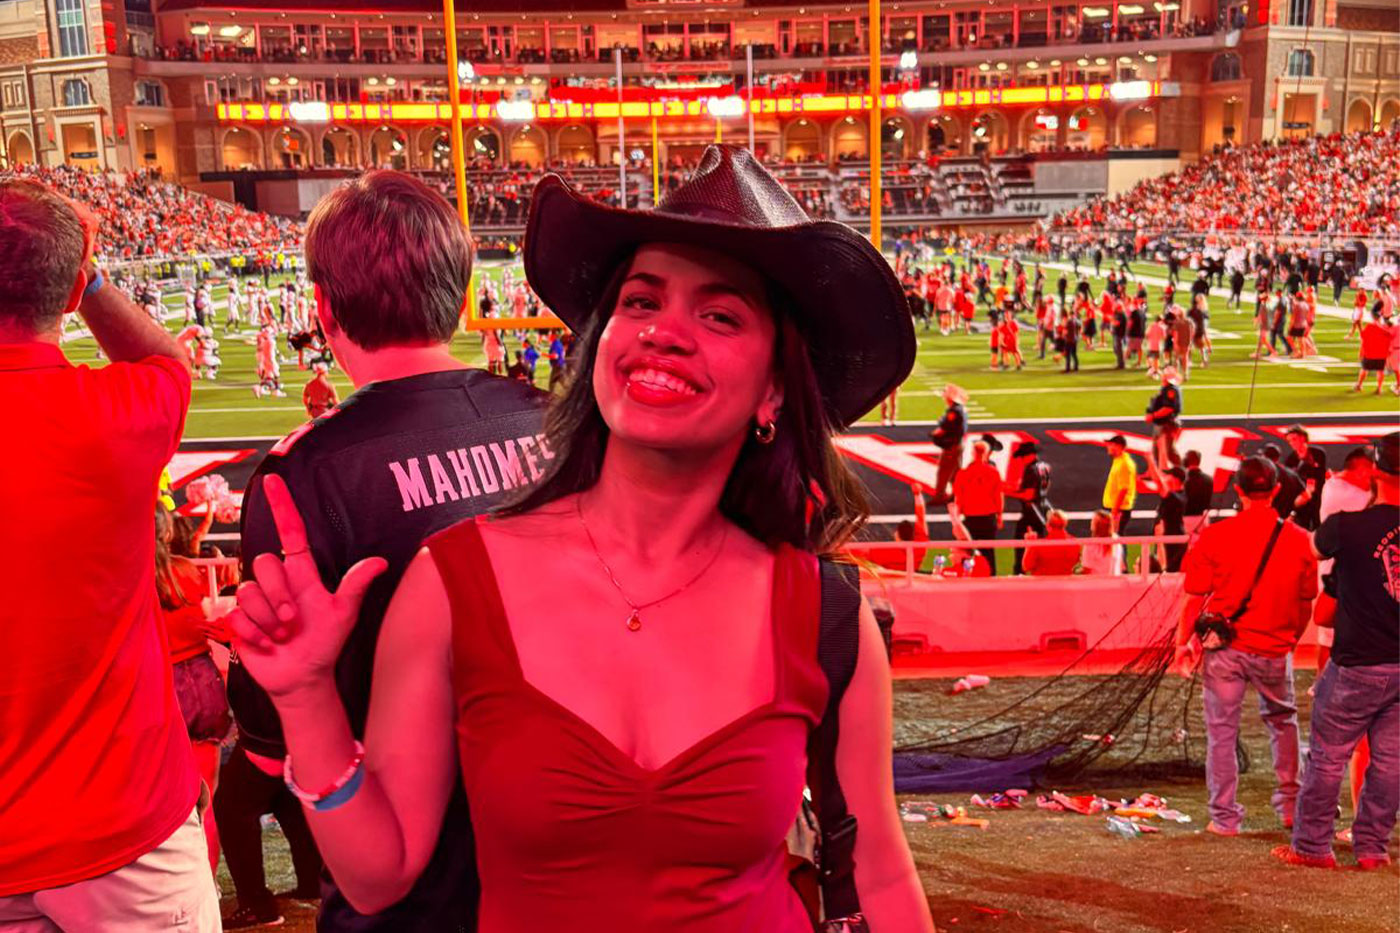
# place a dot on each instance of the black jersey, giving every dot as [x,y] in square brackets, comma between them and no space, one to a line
[394,463]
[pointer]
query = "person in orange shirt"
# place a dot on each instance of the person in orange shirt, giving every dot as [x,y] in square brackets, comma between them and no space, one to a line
[977,496]
[1057,560]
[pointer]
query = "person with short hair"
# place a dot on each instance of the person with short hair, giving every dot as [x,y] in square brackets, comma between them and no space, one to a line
[977,497]
[1199,490]
[422,442]
[1164,414]
[1358,693]
[1221,567]
[1293,493]
[1120,490]
[1310,463]
[100,800]
[1029,481]
[1375,347]
[319,395]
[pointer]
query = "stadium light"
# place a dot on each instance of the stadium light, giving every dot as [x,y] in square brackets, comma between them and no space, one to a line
[199,29]
[919,100]
[1166,7]
[310,111]
[515,111]
[1095,12]
[1129,9]
[230,32]
[292,81]
[909,60]
[1130,90]
[718,107]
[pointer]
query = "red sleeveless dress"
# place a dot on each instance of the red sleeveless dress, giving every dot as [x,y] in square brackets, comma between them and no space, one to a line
[574,836]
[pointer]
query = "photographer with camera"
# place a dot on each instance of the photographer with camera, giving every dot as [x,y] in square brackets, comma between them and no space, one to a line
[1251,580]
[99,823]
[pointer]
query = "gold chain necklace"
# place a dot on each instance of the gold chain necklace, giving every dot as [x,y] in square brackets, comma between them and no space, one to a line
[634,621]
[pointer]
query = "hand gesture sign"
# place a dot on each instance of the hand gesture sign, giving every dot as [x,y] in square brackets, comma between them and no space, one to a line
[288,628]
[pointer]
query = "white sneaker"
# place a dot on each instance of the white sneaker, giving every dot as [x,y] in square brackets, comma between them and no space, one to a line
[279,393]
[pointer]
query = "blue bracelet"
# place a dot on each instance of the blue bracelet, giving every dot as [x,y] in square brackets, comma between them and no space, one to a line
[97,282]
[342,796]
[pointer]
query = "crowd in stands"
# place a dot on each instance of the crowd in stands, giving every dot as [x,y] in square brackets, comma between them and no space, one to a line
[143,216]
[1342,183]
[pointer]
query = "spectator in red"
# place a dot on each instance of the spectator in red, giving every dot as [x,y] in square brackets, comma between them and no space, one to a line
[99,823]
[977,497]
[1375,346]
[1267,618]
[319,395]
[897,558]
[181,588]
[1052,560]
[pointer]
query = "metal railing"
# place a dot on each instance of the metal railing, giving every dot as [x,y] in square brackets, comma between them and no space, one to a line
[911,570]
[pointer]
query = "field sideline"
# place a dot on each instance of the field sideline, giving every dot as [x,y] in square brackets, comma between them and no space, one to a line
[226,408]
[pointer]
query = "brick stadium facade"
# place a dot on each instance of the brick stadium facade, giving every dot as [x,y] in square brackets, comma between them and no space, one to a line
[202,90]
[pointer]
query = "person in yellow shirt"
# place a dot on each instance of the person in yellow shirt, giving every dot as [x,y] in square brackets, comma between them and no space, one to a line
[1120,492]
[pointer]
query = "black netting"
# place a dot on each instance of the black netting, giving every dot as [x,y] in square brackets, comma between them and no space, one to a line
[1115,709]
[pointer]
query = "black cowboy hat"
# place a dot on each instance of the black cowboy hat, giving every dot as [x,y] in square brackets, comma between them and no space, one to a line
[848,304]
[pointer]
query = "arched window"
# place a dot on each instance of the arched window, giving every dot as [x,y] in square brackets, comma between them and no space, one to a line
[76,93]
[1300,63]
[1226,67]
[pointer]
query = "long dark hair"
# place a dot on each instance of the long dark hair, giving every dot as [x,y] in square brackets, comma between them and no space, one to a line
[797,490]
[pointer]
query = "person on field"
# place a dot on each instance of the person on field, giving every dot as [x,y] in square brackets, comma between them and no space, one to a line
[948,436]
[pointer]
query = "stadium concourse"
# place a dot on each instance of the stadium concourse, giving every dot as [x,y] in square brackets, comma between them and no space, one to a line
[1085,694]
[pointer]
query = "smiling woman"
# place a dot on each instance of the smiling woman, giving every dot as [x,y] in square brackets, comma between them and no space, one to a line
[637,753]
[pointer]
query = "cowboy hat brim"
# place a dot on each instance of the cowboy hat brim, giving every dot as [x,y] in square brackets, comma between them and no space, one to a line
[846,300]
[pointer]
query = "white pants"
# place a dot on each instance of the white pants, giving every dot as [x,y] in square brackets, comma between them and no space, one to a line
[168,888]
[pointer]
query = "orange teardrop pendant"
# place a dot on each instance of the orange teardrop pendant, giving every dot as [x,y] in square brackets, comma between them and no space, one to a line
[634,622]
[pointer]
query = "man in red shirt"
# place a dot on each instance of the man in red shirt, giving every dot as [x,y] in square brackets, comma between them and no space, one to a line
[1269,616]
[1375,345]
[99,828]
[977,497]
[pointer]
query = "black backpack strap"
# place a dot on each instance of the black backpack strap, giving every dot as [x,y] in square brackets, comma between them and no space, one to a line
[837,651]
[1259,572]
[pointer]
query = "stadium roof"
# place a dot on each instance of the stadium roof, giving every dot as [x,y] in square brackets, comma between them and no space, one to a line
[485,6]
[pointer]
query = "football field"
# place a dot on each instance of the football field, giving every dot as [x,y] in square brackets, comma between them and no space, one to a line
[1233,385]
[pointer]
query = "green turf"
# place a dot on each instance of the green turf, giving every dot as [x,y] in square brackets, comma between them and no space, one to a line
[227,407]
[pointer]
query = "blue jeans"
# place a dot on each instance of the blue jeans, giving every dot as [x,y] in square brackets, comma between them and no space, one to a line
[1351,702]
[1226,674]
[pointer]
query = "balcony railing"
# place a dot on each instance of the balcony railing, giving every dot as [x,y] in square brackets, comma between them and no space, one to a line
[698,53]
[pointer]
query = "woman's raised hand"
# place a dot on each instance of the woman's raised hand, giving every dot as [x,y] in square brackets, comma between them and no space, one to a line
[288,628]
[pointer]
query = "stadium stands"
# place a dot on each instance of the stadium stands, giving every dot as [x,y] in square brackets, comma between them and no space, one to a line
[1323,184]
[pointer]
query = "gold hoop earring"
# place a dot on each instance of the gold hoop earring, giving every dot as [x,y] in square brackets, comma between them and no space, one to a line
[766,432]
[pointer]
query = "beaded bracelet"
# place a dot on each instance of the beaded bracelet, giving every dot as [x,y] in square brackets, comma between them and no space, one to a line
[338,792]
